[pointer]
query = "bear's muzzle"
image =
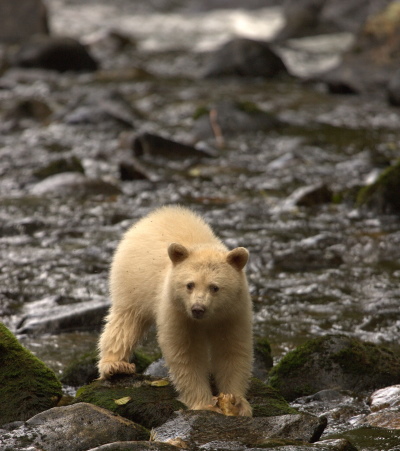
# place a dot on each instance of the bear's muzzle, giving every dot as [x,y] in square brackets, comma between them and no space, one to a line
[198,311]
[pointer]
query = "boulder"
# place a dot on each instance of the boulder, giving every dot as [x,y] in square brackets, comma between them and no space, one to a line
[198,428]
[59,165]
[373,58]
[245,58]
[21,20]
[144,400]
[311,17]
[56,53]
[334,361]
[382,196]
[77,427]
[385,397]
[27,386]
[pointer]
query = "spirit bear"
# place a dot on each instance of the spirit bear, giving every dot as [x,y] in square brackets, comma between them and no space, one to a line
[171,269]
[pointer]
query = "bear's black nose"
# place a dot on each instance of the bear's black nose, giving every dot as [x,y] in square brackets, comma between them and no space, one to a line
[198,311]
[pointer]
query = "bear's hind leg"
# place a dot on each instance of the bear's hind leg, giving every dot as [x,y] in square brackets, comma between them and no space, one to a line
[121,334]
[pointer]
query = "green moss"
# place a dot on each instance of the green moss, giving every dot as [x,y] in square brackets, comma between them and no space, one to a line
[262,351]
[383,193]
[27,386]
[200,112]
[267,401]
[71,164]
[149,406]
[249,107]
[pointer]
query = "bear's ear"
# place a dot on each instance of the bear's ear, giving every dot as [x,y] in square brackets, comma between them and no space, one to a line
[177,253]
[238,258]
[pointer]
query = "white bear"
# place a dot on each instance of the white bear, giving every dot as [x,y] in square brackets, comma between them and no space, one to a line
[170,269]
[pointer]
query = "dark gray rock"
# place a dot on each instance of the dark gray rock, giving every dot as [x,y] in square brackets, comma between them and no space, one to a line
[198,428]
[60,54]
[22,19]
[149,145]
[73,184]
[136,446]
[310,17]
[55,314]
[394,89]
[75,428]
[245,58]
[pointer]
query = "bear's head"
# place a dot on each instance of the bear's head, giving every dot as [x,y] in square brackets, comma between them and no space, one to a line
[207,282]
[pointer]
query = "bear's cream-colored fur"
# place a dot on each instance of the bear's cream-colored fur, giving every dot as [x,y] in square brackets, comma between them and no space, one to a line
[171,269]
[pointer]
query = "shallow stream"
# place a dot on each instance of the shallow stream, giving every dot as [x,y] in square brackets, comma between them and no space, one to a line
[328,268]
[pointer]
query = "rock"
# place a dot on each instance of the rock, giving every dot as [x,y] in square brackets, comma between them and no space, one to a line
[74,184]
[147,405]
[83,370]
[310,196]
[382,195]
[311,17]
[55,314]
[157,369]
[385,397]
[229,118]
[263,361]
[68,164]
[132,169]
[150,145]
[373,58]
[386,418]
[198,428]
[27,386]
[60,54]
[136,446]
[393,92]
[334,361]
[33,109]
[75,428]
[21,20]
[245,58]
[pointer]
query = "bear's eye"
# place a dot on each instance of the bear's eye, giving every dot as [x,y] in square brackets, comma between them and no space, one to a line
[214,288]
[190,286]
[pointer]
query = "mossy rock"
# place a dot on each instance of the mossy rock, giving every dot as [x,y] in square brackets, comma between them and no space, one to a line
[334,361]
[263,361]
[141,402]
[27,386]
[83,370]
[266,401]
[70,164]
[383,195]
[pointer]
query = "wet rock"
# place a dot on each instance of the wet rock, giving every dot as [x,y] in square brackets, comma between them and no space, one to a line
[198,428]
[149,145]
[263,361]
[387,418]
[132,169]
[148,405]
[334,361]
[310,17]
[78,427]
[228,118]
[245,58]
[135,446]
[33,109]
[373,58]
[68,164]
[157,369]
[394,89]
[385,397]
[107,109]
[315,252]
[73,184]
[21,20]
[27,386]
[59,54]
[382,195]
[83,370]
[309,196]
[56,314]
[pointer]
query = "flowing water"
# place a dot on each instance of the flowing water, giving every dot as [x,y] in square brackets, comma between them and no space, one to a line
[329,268]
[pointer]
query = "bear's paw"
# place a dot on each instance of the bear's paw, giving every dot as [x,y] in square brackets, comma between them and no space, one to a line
[109,368]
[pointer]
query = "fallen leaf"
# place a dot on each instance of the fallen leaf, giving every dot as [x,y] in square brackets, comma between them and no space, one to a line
[160,383]
[122,401]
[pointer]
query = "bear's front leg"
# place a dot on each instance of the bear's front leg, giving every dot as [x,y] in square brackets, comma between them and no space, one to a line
[121,333]
[186,355]
[232,361]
